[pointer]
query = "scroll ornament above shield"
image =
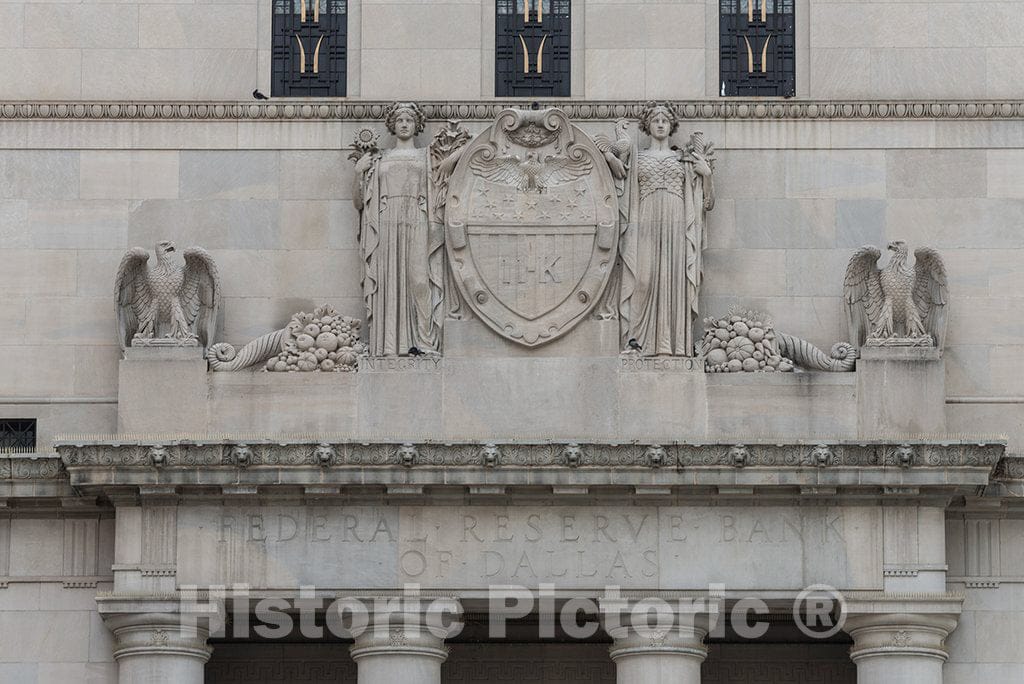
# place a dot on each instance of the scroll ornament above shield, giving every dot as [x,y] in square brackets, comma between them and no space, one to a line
[532,225]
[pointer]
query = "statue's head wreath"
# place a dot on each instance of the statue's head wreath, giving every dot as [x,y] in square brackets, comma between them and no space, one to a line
[396,108]
[653,108]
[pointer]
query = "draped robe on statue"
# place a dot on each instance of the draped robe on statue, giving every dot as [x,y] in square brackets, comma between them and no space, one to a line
[403,255]
[660,252]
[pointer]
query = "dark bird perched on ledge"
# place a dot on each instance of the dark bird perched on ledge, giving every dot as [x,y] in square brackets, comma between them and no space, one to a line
[257,95]
[415,351]
[634,345]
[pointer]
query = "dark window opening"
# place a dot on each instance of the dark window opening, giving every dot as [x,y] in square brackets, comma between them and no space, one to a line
[17,436]
[532,48]
[309,53]
[757,48]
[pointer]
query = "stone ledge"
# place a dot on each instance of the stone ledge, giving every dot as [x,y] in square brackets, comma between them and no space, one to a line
[245,451]
[343,472]
[487,110]
[35,466]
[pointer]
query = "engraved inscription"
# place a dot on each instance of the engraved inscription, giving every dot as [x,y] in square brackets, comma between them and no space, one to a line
[391,364]
[571,547]
[629,363]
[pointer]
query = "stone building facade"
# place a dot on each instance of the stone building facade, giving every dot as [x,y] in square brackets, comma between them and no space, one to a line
[160,492]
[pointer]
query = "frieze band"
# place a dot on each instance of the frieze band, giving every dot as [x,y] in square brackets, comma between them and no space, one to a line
[252,453]
[486,110]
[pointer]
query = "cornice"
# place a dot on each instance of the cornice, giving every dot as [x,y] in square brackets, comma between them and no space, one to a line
[253,452]
[248,470]
[487,110]
[28,467]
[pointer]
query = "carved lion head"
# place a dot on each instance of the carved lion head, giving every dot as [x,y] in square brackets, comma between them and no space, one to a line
[491,455]
[324,453]
[242,454]
[407,453]
[573,455]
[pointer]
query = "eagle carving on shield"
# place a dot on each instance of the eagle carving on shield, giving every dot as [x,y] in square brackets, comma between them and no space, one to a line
[168,304]
[896,304]
[533,172]
[531,225]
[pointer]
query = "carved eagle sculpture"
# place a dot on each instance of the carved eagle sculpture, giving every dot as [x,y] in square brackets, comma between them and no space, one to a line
[532,173]
[896,304]
[177,302]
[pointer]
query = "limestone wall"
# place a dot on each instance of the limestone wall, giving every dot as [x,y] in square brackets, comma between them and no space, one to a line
[621,49]
[270,200]
[986,562]
[51,569]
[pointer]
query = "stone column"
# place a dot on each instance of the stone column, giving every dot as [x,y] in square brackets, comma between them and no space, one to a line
[404,647]
[646,652]
[901,647]
[158,641]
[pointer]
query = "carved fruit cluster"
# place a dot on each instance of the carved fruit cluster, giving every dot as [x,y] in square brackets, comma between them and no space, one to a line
[321,341]
[743,342]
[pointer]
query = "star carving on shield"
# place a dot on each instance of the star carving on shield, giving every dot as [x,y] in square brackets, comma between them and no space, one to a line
[526,266]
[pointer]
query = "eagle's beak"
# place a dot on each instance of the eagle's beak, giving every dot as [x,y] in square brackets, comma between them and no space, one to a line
[891,246]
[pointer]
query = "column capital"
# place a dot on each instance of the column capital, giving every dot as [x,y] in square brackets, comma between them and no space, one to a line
[165,626]
[902,625]
[656,627]
[417,629]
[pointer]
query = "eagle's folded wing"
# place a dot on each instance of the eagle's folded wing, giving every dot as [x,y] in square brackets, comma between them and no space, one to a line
[930,292]
[200,293]
[131,288]
[862,291]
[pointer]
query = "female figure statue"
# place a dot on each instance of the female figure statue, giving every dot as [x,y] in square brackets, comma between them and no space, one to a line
[667,193]
[401,238]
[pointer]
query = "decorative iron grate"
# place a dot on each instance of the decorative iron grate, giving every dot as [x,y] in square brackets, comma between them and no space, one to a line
[17,436]
[532,48]
[757,48]
[309,52]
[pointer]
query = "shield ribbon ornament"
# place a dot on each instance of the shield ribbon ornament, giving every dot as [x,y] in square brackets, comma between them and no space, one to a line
[531,225]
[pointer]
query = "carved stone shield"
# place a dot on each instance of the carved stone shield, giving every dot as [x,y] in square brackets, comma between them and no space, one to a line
[531,225]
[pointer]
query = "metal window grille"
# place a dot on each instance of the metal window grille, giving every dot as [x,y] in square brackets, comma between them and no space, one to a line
[532,48]
[309,52]
[17,436]
[757,48]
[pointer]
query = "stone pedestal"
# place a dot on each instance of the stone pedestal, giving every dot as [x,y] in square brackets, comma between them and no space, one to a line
[162,390]
[402,648]
[650,652]
[157,641]
[901,390]
[901,647]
